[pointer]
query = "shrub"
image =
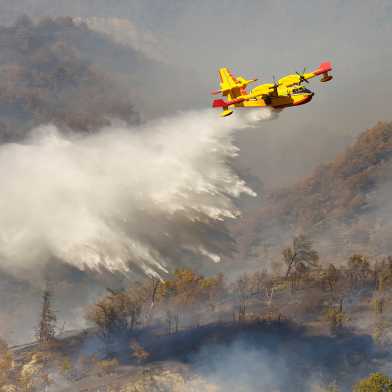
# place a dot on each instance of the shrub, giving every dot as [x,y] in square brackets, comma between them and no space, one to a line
[376,382]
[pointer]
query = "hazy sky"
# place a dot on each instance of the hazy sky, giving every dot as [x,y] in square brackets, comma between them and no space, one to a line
[261,38]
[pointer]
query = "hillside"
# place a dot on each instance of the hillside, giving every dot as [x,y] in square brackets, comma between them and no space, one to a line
[47,74]
[80,73]
[345,201]
[307,332]
[340,188]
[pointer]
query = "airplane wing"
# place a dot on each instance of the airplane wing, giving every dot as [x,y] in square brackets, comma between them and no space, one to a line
[298,78]
[265,90]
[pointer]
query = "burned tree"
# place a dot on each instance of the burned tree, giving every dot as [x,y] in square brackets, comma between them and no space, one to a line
[46,330]
[243,290]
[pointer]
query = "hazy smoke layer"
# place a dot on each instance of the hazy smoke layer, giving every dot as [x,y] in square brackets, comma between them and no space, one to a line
[124,32]
[122,198]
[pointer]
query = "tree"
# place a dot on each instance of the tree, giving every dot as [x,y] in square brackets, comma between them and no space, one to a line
[358,270]
[178,295]
[150,292]
[244,291]
[383,273]
[188,292]
[331,278]
[300,254]
[299,258]
[376,382]
[47,323]
[213,289]
[118,312]
[114,315]
[6,364]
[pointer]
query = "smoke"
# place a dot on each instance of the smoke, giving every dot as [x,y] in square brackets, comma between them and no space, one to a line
[124,32]
[244,368]
[55,68]
[123,198]
[284,360]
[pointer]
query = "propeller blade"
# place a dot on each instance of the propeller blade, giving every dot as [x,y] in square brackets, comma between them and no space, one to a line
[302,77]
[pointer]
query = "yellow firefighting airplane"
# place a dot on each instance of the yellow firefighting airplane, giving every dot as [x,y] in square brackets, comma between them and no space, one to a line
[288,91]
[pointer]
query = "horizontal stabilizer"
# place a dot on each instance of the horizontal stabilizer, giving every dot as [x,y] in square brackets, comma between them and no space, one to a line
[220,103]
[226,113]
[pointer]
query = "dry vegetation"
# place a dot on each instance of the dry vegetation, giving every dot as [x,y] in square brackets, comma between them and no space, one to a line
[136,322]
[338,189]
[325,299]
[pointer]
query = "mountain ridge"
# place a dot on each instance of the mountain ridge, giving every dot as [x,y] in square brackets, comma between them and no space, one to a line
[336,196]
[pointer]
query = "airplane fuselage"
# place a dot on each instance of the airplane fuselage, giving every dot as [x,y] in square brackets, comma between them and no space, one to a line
[285,97]
[288,91]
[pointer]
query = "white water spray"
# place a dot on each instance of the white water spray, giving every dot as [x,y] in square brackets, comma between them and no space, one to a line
[121,198]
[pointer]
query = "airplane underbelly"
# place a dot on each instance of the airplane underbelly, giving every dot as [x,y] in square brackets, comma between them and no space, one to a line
[293,100]
[252,104]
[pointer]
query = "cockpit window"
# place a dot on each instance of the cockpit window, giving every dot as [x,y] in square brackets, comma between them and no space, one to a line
[301,90]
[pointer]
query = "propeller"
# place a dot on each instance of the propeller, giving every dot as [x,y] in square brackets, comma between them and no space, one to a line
[302,77]
[276,85]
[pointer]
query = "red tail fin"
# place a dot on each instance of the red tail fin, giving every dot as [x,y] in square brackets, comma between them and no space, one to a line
[323,68]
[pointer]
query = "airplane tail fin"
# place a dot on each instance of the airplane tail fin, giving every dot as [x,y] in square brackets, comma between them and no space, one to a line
[323,69]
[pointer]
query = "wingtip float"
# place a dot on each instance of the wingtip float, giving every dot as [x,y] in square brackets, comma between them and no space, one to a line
[287,91]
